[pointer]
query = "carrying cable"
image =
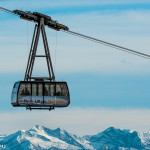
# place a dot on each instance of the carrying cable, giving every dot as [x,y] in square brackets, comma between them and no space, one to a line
[8,11]
[109,44]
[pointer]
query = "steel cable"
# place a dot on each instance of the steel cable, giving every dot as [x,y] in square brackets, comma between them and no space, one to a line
[8,11]
[109,44]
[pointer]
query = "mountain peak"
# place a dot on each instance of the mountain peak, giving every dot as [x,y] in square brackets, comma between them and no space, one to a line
[60,129]
[37,128]
[111,129]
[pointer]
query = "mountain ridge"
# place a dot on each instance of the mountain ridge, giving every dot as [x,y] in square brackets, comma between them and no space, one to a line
[41,138]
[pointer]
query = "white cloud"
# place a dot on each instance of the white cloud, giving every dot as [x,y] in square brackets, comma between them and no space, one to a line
[80,121]
[129,29]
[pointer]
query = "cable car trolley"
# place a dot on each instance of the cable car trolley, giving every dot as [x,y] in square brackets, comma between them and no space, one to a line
[40,92]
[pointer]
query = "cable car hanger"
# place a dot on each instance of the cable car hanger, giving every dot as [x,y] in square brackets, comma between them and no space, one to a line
[45,92]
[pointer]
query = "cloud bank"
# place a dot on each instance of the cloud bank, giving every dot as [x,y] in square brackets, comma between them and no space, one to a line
[80,121]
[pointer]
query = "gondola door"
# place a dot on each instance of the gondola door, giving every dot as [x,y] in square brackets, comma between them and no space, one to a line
[49,94]
[37,94]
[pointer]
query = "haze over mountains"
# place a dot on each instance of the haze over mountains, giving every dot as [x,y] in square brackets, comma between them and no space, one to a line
[40,137]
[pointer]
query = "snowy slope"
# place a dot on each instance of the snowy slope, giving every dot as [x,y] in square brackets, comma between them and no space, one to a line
[145,139]
[39,138]
[113,138]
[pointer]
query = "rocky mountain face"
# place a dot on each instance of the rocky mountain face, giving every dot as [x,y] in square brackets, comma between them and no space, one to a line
[42,138]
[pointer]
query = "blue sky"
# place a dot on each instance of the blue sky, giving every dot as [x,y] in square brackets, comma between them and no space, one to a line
[98,76]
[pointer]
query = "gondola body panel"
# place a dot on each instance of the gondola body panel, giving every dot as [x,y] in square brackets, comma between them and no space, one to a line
[40,94]
[14,94]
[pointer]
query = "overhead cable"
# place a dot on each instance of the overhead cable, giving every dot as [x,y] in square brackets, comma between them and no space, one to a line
[109,44]
[8,11]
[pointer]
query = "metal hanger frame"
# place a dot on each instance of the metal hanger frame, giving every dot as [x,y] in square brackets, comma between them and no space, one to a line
[40,27]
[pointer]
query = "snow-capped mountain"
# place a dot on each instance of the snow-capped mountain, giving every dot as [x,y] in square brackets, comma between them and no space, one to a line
[41,138]
[113,138]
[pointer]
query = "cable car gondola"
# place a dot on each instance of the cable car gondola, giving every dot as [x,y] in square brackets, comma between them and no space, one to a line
[45,95]
[40,92]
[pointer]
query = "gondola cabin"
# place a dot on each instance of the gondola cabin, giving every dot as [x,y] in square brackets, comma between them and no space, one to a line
[35,94]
